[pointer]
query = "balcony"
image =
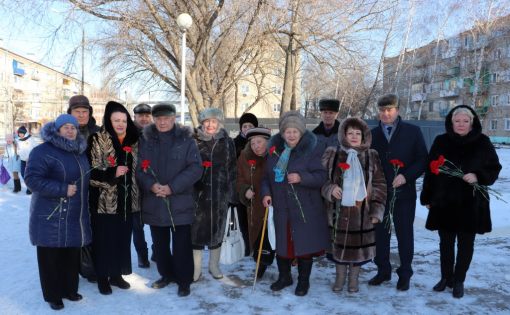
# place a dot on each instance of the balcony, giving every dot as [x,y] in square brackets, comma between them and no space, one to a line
[453,72]
[449,93]
[418,97]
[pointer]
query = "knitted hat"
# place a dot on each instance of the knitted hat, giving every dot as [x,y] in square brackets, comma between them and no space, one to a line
[248,118]
[22,130]
[210,113]
[78,101]
[329,104]
[292,119]
[388,100]
[65,119]
[258,131]
[142,109]
[163,109]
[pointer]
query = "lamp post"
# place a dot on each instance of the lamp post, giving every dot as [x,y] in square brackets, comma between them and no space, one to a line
[184,22]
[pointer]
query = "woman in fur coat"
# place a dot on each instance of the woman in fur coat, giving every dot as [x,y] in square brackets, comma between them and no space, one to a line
[456,209]
[356,195]
[113,196]
[215,189]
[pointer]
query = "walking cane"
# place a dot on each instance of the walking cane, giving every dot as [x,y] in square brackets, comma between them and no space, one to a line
[260,248]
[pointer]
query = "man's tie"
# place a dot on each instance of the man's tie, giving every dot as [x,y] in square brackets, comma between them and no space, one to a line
[389,129]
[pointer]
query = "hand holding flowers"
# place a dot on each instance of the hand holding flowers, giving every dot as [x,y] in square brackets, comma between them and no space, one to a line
[398,180]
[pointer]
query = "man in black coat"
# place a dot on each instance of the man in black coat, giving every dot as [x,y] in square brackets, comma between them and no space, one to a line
[327,130]
[396,139]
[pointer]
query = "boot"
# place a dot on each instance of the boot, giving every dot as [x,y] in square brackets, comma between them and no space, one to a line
[261,271]
[304,268]
[214,261]
[458,290]
[104,286]
[341,273]
[353,285]
[143,261]
[197,262]
[442,284]
[119,282]
[17,186]
[284,277]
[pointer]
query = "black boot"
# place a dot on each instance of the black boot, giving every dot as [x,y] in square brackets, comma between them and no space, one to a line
[284,277]
[261,271]
[17,185]
[442,284]
[458,290]
[119,282]
[143,261]
[104,286]
[304,268]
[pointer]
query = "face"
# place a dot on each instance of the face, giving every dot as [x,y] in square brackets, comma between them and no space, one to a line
[119,123]
[211,126]
[388,115]
[292,136]
[143,119]
[328,117]
[9,139]
[21,135]
[82,114]
[164,123]
[353,137]
[258,145]
[246,126]
[68,131]
[462,124]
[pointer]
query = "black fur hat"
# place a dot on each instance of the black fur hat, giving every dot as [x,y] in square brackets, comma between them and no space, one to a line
[388,100]
[329,104]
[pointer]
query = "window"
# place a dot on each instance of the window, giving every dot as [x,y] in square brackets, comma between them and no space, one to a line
[507,123]
[245,106]
[245,89]
[497,54]
[495,77]
[494,124]
[431,106]
[18,68]
[508,100]
[277,89]
[495,100]
[277,107]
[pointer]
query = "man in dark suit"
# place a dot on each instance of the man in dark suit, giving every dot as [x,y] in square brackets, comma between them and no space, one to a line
[396,139]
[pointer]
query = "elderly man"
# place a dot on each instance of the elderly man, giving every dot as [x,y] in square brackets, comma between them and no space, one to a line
[396,139]
[167,199]
[327,130]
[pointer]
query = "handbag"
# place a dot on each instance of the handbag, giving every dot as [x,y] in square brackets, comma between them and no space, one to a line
[271,234]
[4,174]
[232,248]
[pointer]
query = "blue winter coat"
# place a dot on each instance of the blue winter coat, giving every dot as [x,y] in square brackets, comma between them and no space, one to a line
[175,160]
[55,219]
[305,159]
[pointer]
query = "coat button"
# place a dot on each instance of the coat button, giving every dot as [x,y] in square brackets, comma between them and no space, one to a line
[65,200]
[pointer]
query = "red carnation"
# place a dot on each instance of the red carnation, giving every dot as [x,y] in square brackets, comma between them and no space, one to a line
[434,167]
[127,149]
[206,164]
[344,166]
[397,162]
[111,161]
[272,150]
[252,163]
[145,165]
[441,160]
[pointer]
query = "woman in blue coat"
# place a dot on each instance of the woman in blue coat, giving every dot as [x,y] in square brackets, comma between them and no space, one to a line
[57,174]
[292,181]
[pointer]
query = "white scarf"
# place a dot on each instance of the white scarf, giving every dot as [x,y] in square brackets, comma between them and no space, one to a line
[353,181]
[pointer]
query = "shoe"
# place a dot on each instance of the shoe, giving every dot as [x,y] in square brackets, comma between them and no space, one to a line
[161,283]
[29,193]
[284,277]
[214,263]
[58,305]
[74,297]
[183,290]
[378,279]
[119,282]
[304,269]
[442,284]
[403,284]
[104,286]
[341,273]
[458,290]
[261,271]
[143,262]
[91,279]
[17,186]
[353,284]
[197,264]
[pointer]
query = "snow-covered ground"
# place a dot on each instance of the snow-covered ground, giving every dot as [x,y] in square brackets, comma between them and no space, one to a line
[487,285]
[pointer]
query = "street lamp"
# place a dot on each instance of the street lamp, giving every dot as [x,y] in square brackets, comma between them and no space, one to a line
[184,22]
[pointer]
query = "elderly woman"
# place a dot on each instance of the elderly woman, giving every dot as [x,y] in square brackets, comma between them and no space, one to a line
[250,169]
[456,209]
[215,190]
[357,196]
[13,162]
[292,181]
[112,153]
[57,174]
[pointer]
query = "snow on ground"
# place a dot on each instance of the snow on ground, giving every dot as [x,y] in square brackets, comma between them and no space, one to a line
[487,285]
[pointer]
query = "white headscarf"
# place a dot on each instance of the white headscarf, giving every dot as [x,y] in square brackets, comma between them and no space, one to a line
[353,180]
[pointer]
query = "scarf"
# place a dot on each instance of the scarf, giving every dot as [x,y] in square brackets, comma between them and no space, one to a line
[281,166]
[353,180]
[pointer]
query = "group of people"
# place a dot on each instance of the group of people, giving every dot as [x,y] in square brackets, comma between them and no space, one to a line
[335,191]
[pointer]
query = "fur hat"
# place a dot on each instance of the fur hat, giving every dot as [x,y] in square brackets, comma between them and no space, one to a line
[163,109]
[329,104]
[248,118]
[78,101]
[142,109]
[388,100]
[65,119]
[210,113]
[292,119]
[258,131]
[22,130]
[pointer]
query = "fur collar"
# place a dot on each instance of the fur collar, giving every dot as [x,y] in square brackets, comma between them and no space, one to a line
[320,130]
[49,133]
[367,135]
[305,146]
[201,135]
[473,135]
[151,132]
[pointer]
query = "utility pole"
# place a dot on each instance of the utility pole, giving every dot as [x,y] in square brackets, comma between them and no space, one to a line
[82,89]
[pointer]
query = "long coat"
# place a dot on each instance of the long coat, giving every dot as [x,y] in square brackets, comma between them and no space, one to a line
[216,188]
[351,228]
[175,160]
[247,177]
[329,137]
[454,205]
[55,219]
[305,159]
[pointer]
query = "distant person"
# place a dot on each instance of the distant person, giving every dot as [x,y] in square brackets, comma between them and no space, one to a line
[327,130]
[13,163]
[57,173]
[395,139]
[457,210]
[25,145]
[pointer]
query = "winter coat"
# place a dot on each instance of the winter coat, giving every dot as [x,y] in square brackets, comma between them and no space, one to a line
[175,160]
[351,228]
[247,177]
[90,128]
[240,142]
[455,205]
[328,137]
[216,188]
[55,219]
[25,146]
[407,145]
[305,159]
[11,158]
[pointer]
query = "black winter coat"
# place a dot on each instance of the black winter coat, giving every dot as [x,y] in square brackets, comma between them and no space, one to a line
[454,205]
